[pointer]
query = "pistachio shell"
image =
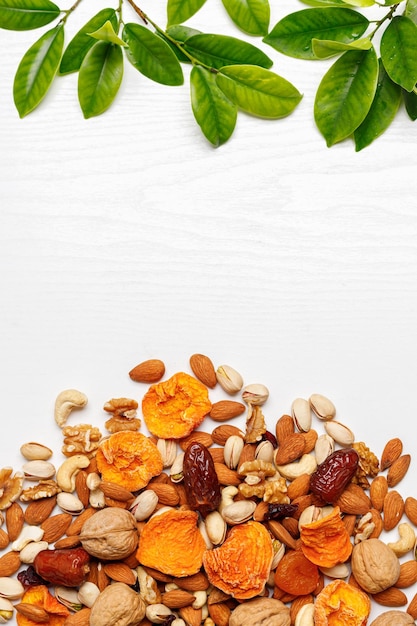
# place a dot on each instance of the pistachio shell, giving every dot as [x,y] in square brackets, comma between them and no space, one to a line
[11,588]
[33,451]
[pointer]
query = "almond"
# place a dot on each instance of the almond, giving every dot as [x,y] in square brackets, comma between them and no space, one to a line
[81,488]
[392,450]
[412,607]
[177,598]
[284,427]
[116,492]
[310,438]
[9,563]
[80,618]
[391,597]
[221,433]
[203,369]
[224,410]
[354,500]
[196,582]
[75,527]
[198,436]
[393,509]
[217,454]
[32,612]
[219,613]
[226,476]
[377,491]
[150,371]
[120,572]
[408,574]
[290,449]
[167,493]
[300,486]
[282,534]
[410,509]
[38,511]
[248,453]
[4,539]
[398,469]
[15,519]
[56,526]
[192,617]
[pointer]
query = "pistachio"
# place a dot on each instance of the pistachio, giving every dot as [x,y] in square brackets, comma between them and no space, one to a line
[144,505]
[301,414]
[33,451]
[323,448]
[68,596]
[177,468]
[322,406]
[340,433]
[229,379]
[255,394]
[232,450]
[88,593]
[305,616]
[168,450]
[10,588]
[216,527]
[157,613]
[238,512]
[69,503]
[264,451]
[6,610]
[38,470]
[30,550]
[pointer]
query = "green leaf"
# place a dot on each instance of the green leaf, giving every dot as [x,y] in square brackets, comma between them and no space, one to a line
[107,33]
[219,50]
[293,34]
[82,42]
[345,94]
[179,11]
[324,3]
[398,51]
[258,91]
[324,49]
[179,33]
[383,110]
[151,56]
[251,16]
[214,112]
[99,78]
[410,102]
[37,69]
[27,14]
[411,10]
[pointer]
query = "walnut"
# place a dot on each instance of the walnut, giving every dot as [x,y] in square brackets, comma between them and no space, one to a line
[119,423]
[399,618]
[80,439]
[368,465]
[260,611]
[10,487]
[123,415]
[117,605]
[374,565]
[255,424]
[44,489]
[110,534]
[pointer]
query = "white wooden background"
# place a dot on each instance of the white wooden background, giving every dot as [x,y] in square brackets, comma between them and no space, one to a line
[128,236]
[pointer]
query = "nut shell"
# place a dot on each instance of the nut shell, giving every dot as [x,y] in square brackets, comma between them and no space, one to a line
[374,565]
[117,605]
[261,611]
[110,534]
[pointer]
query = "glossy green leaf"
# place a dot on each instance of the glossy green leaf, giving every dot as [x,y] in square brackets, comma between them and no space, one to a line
[251,16]
[345,94]
[214,112]
[27,14]
[82,42]
[293,34]
[151,55]
[324,3]
[179,11]
[99,78]
[361,4]
[411,10]
[410,103]
[219,50]
[398,51]
[383,110]
[258,91]
[37,69]
[324,49]
[107,33]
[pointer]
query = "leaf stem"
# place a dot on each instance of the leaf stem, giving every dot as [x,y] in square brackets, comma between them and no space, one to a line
[386,17]
[69,11]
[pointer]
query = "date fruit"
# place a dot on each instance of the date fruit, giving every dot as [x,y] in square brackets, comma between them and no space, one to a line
[68,566]
[201,484]
[334,474]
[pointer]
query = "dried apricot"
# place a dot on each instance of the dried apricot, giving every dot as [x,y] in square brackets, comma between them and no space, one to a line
[296,574]
[341,604]
[241,565]
[129,459]
[171,543]
[326,541]
[40,597]
[173,408]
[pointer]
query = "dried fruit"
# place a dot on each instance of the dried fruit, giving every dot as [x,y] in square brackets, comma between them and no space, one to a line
[67,567]
[201,482]
[172,409]
[332,476]
[296,574]
[341,603]
[326,541]
[129,459]
[35,603]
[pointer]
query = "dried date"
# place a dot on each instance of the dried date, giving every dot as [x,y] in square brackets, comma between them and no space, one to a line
[200,479]
[334,474]
[67,567]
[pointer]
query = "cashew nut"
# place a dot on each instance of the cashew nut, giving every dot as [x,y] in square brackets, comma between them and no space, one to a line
[65,402]
[406,541]
[65,476]
[306,465]
[228,493]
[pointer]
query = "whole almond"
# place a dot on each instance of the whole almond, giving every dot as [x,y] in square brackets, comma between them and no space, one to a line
[195,582]
[56,526]
[310,438]
[15,518]
[354,500]
[284,427]
[117,492]
[9,563]
[408,574]
[32,612]
[199,437]
[4,539]
[300,486]
[167,493]
[410,509]
[67,542]
[81,488]
[80,618]
[150,371]
[191,616]
[177,598]
[217,454]
[203,369]
[392,450]
[75,527]
[120,572]
[377,491]
[226,476]
[391,597]
[219,613]
[38,511]
[281,533]
[221,433]
[290,449]
[393,509]
[412,607]
[398,469]
[224,410]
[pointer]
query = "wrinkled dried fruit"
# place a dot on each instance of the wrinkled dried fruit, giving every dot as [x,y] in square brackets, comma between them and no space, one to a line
[341,603]
[167,538]
[296,574]
[333,475]
[326,541]
[201,482]
[40,597]
[129,459]
[241,565]
[173,408]
[67,567]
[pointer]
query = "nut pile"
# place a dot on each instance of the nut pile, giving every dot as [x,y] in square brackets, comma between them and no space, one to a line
[282,523]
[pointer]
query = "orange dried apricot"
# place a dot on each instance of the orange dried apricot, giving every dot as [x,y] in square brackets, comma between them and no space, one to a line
[172,543]
[341,604]
[39,596]
[241,565]
[173,408]
[129,459]
[326,542]
[296,574]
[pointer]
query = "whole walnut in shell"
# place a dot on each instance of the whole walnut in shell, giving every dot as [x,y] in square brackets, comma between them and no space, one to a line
[375,566]
[394,617]
[110,534]
[259,612]
[117,605]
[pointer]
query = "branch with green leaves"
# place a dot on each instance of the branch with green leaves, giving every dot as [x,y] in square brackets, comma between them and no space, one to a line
[358,97]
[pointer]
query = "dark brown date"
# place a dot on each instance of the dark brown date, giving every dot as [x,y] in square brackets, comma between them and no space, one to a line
[68,567]
[201,484]
[334,474]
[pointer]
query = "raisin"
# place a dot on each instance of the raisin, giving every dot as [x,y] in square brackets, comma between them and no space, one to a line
[68,566]
[201,484]
[29,578]
[279,511]
[333,475]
